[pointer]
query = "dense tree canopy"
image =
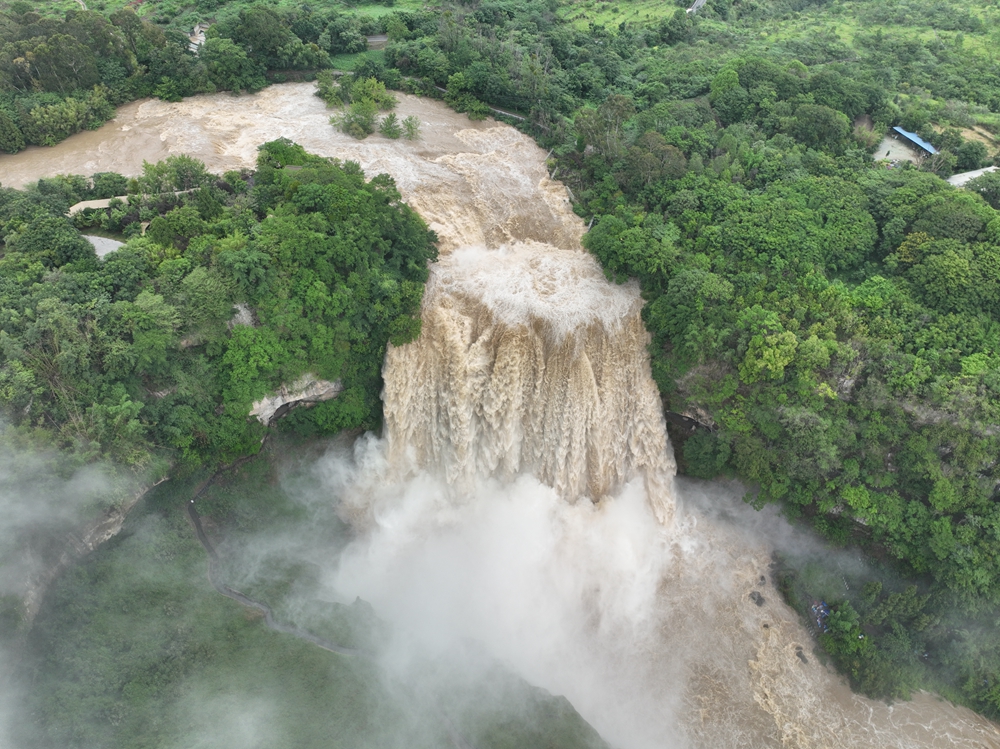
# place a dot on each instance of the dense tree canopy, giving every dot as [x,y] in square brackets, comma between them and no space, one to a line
[136,356]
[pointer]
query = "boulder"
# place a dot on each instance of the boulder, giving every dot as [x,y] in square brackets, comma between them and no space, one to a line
[308,390]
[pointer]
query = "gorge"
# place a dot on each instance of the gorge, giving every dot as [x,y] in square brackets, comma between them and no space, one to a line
[523,495]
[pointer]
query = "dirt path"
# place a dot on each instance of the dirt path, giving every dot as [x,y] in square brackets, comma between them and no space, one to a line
[245,600]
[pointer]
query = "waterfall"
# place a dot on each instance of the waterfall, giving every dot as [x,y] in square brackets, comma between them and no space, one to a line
[529,361]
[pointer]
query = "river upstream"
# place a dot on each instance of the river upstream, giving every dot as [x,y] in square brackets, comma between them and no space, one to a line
[527,396]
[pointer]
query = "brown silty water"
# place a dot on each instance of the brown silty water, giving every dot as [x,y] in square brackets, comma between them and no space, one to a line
[529,361]
[532,364]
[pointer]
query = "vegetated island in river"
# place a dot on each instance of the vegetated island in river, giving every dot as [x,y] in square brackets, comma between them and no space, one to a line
[826,324]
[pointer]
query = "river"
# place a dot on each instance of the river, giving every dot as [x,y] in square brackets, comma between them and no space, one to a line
[523,495]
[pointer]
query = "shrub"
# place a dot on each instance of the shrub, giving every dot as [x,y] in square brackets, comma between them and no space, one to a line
[390,126]
[411,128]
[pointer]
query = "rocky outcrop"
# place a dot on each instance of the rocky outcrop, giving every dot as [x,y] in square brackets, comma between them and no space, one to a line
[242,315]
[308,390]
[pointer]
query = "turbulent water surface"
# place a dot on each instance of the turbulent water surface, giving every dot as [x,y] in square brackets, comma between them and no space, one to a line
[523,496]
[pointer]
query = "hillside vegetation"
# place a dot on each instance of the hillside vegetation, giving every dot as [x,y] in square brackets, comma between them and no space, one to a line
[139,356]
[134,647]
[829,325]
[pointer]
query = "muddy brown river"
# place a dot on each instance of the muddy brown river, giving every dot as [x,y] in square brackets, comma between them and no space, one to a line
[640,611]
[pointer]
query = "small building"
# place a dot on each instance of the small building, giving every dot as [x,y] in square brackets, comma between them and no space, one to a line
[915,140]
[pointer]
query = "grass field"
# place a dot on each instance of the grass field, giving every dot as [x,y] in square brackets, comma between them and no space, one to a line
[348,61]
[584,12]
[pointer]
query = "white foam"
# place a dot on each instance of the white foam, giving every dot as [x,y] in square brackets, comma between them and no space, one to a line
[528,282]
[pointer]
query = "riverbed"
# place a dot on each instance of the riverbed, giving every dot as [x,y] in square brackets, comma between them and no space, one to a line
[453,175]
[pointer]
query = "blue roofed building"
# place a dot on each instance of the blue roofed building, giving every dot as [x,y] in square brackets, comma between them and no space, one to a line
[916,140]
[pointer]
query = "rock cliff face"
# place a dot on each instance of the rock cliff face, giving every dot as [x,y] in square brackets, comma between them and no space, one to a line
[307,391]
[72,547]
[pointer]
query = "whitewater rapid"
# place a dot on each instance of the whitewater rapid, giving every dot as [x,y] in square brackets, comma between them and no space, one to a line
[529,361]
[523,495]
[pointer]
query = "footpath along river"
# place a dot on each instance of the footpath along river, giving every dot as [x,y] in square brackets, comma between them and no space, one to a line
[707,667]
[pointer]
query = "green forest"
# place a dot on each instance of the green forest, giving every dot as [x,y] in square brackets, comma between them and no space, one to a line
[826,323]
[135,359]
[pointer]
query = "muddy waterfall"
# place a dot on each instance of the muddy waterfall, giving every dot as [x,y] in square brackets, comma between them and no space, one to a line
[529,361]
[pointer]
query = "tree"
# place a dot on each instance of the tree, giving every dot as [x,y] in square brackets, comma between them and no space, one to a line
[373,66]
[327,88]
[124,271]
[246,270]
[51,240]
[971,155]
[342,35]
[632,251]
[768,355]
[390,127]
[153,324]
[411,128]
[204,302]
[115,426]
[604,127]
[367,96]
[943,278]
[955,215]
[358,119]
[11,139]
[109,185]
[58,63]
[177,227]
[728,97]
[48,124]
[173,173]
[820,126]
[677,29]
[941,163]
[395,28]
[253,355]
[261,32]
[457,90]
[373,90]
[652,159]
[988,185]
[230,68]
